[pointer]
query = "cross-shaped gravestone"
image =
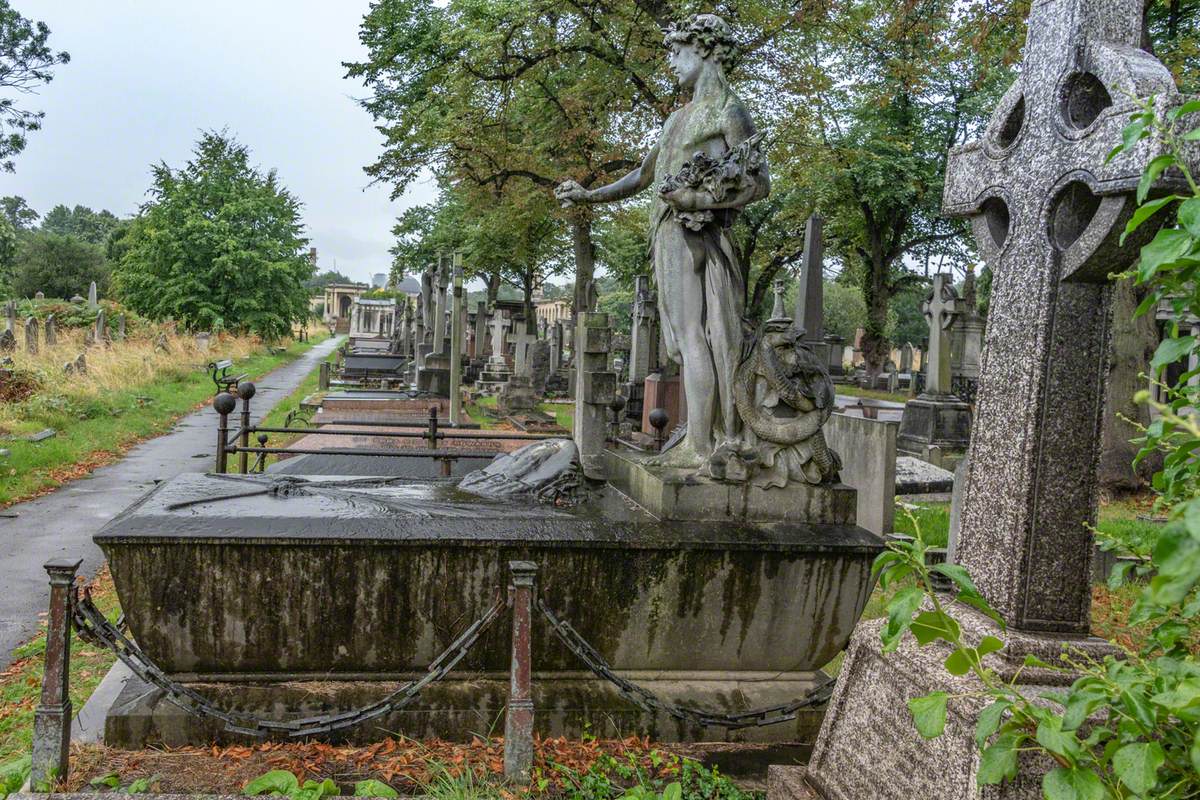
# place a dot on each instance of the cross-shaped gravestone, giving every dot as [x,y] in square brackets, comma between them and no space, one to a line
[940,308]
[1047,212]
[499,323]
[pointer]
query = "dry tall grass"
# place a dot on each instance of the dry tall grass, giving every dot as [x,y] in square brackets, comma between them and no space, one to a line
[133,361]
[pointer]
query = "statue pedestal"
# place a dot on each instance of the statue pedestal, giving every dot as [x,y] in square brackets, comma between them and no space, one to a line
[667,394]
[934,421]
[677,494]
[434,377]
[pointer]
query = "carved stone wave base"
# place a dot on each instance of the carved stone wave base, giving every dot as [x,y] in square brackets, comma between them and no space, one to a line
[466,705]
[869,749]
[677,494]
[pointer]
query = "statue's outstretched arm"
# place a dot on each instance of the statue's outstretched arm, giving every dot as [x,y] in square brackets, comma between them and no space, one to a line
[569,193]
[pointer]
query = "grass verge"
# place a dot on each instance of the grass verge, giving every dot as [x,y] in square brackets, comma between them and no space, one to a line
[483,409]
[97,420]
[870,394]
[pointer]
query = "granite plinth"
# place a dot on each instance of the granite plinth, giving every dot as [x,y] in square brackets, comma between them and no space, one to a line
[399,466]
[433,379]
[868,745]
[676,494]
[345,404]
[941,421]
[374,365]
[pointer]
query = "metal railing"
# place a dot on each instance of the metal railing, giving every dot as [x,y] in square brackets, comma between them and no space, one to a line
[435,434]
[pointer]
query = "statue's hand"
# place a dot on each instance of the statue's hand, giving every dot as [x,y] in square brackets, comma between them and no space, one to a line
[569,193]
[685,198]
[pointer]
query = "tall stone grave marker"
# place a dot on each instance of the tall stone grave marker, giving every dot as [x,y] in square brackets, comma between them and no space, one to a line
[643,347]
[457,320]
[100,330]
[556,347]
[936,421]
[481,322]
[1047,212]
[51,331]
[31,336]
[811,296]
[439,311]
[93,297]
[10,316]
[595,388]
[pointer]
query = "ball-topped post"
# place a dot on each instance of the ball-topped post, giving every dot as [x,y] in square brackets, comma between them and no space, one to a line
[224,403]
[658,420]
[245,391]
[616,406]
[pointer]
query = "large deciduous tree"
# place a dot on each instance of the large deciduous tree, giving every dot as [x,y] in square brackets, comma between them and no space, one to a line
[26,62]
[220,245]
[81,222]
[58,265]
[881,91]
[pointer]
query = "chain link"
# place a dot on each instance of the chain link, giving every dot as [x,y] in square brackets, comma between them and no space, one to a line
[93,627]
[648,701]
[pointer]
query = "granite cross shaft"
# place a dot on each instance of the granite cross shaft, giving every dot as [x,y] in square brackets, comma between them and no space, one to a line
[940,308]
[1047,212]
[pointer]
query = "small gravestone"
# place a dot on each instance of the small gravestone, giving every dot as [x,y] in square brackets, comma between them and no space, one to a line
[202,341]
[161,344]
[39,296]
[76,367]
[100,331]
[76,299]
[10,316]
[31,336]
[8,341]
[121,326]
[93,297]
[51,331]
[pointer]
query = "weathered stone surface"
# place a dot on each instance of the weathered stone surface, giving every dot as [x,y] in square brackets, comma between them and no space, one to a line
[524,472]
[8,341]
[51,331]
[258,585]
[868,452]
[31,336]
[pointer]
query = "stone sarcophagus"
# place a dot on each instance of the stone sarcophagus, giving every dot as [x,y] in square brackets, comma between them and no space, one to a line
[282,580]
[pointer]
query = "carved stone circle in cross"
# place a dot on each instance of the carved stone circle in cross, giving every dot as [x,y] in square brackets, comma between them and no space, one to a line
[1047,212]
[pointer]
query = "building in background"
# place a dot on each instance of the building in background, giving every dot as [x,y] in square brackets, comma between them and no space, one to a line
[378,280]
[339,299]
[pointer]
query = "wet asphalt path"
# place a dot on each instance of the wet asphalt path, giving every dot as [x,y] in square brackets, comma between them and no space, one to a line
[61,524]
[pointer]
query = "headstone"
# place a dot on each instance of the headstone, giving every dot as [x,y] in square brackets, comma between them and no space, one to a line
[481,322]
[76,367]
[51,331]
[643,347]
[76,299]
[458,320]
[100,329]
[10,316]
[966,335]
[811,293]
[31,336]
[906,357]
[539,366]
[93,297]
[1047,209]
[595,388]
[121,326]
[39,295]
[439,311]
[8,341]
[556,347]
[161,344]
[936,422]
[202,341]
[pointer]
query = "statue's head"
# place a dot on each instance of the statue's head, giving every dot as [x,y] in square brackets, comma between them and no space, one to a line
[703,38]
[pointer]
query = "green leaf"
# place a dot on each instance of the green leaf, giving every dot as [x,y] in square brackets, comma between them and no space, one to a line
[112,780]
[900,615]
[989,645]
[932,625]
[140,786]
[1194,752]
[1072,784]
[989,721]
[374,788]
[1189,216]
[1190,107]
[1116,578]
[929,714]
[960,577]
[961,660]
[1081,705]
[674,791]
[1145,212]
[1135,704]
[1185,695]
[1171,350]
[998,762]
[1133,133]
[277,781]
[1050,735]
[1137,765]
[1155,168]
[1192,136]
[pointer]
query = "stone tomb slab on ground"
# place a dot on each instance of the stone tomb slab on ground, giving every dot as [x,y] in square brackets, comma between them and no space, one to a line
[323,597]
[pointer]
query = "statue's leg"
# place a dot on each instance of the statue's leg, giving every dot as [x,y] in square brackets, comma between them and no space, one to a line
[725,296]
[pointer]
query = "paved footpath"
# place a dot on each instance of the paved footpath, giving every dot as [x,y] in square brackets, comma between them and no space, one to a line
[62,523]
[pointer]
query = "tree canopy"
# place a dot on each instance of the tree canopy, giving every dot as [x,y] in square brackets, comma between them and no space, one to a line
[220,245]
[58,265]
[81,222]
[26,62]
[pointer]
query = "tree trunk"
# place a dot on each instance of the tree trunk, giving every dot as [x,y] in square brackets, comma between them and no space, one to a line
[585,254]
[875,346]
[493,287]
[530,316]
[1131,347]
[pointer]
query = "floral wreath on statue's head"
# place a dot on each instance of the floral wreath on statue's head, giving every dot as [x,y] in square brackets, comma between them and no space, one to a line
[711,35]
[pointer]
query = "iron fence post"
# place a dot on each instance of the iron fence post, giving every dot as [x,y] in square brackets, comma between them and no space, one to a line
[224,405]
[518,718]
[245,391]
[52,719]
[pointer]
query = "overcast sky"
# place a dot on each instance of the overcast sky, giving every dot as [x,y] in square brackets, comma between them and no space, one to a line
[146,76]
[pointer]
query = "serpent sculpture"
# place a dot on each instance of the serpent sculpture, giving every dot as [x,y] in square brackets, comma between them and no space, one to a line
[784,396]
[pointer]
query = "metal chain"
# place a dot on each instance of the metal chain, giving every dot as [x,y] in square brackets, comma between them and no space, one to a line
[648,701]
[94,627]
